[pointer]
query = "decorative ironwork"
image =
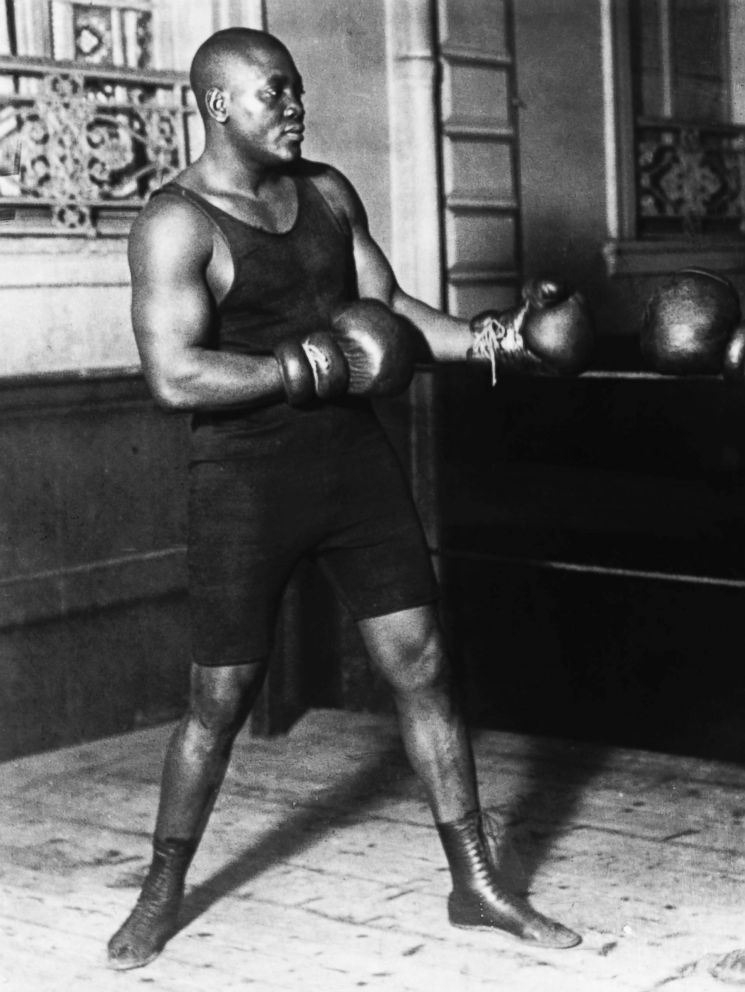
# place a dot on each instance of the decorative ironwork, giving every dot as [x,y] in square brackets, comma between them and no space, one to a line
[143,39]
[85,144]
[690,179]
[93,35]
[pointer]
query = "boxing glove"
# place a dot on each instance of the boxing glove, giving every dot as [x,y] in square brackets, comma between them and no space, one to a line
[377,345]
[688,321]
[311,368]
[549,333]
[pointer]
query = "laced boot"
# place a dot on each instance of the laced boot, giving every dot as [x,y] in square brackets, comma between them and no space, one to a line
[479,899]
[152,922]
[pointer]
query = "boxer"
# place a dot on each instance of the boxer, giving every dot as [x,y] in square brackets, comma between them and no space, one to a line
[262,305]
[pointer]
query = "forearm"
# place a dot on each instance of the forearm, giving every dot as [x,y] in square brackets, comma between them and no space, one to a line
[449,338]
[201,379]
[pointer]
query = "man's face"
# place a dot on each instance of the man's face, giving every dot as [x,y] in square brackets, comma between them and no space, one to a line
[266,107]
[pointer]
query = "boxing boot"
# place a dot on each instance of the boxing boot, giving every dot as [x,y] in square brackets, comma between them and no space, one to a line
[152,922]
[549,333]
[478,899]
[687,323]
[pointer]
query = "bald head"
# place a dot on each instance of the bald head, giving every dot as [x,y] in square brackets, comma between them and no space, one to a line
[214,59]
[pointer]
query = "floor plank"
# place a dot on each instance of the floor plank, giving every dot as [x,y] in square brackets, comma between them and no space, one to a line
[321,868]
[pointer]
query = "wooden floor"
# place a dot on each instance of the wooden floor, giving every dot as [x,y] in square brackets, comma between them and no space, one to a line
[321,869]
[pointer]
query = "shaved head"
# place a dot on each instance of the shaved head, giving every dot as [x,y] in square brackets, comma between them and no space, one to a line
[214,58]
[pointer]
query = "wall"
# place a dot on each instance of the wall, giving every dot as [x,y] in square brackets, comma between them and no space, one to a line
[65,305]
[92,606]
[562,154]
[341,57]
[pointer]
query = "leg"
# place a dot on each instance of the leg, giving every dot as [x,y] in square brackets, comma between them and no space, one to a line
[195,765]
[407,648]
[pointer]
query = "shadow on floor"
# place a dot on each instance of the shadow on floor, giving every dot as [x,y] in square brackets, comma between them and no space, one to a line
[387,772]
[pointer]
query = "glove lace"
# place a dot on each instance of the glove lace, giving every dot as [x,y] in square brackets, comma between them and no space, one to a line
[496,336]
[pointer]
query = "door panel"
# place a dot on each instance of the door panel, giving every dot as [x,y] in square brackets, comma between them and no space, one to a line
[479,154]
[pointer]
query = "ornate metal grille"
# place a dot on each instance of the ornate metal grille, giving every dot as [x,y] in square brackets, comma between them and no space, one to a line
[690,178]
[82,147]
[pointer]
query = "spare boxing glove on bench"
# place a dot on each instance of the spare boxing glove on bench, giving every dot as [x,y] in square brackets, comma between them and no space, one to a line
[734,355]
[549,333]
[688,322]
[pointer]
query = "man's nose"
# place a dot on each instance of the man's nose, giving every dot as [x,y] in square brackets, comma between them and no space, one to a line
[294,108]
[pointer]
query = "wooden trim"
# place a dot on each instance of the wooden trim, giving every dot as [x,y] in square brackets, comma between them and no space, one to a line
[471,275]
[648,258]
[471,203]
[44,596]
[35,66]
[51,393]
[625,162]
[412,72]
[479,130]
[475,56]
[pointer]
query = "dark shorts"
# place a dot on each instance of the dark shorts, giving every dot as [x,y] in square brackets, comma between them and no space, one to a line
[330,489]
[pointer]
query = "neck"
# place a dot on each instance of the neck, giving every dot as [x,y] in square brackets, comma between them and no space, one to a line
[225,170]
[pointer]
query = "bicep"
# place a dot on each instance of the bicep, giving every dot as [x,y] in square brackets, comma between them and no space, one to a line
[171,302]
[375,276]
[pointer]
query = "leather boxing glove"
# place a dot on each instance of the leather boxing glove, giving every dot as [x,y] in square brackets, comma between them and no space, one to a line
[377,345]
[549,333]
[734,355]
[688,321]
[312,368]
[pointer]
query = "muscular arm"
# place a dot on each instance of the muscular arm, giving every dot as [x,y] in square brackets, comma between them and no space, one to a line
[448,338]
[170,248]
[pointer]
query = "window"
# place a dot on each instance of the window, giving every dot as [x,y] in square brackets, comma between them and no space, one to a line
[688,151]
[681,129]
[88,126]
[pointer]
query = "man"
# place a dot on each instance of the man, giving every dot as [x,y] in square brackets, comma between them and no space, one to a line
[247,274]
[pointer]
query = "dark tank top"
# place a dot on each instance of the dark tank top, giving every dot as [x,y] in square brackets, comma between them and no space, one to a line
[284,285]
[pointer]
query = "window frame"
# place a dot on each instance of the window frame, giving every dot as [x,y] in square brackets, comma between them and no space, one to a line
[626,253]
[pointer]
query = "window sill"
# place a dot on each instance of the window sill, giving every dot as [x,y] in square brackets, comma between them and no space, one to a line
[625,259]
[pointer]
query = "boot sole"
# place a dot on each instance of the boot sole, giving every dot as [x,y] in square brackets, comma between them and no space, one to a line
[485,928]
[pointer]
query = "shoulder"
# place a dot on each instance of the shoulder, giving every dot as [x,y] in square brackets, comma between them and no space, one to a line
[335,187]
[170,226]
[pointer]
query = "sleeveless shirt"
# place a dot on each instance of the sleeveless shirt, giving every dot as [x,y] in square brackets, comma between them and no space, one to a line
[284,285]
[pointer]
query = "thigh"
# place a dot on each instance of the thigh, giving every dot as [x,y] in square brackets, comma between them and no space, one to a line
[240,556]
[375,551]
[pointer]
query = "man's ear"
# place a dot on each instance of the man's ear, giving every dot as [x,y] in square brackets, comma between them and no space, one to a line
[216,102]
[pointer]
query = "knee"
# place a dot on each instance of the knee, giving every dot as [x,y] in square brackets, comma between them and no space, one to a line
[220,703]
[421,664]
